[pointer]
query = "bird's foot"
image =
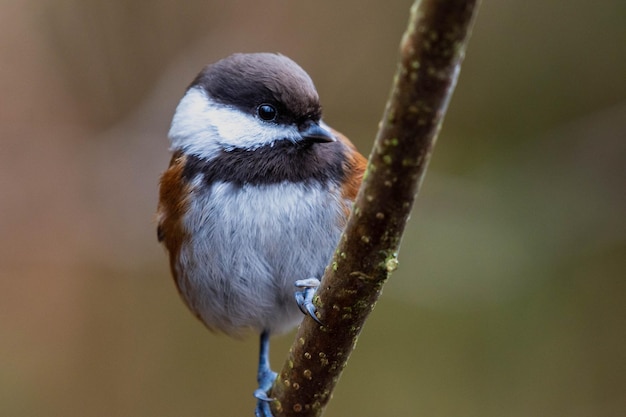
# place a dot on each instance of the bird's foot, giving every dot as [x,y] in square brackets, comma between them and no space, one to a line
[265,377]
[304,296]
[263,400]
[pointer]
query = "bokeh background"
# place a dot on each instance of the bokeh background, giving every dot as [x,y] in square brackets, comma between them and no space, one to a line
[509,299]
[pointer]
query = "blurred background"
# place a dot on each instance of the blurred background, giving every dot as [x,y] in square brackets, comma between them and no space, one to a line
[509,299]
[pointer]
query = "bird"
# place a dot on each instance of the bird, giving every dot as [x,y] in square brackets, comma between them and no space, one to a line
[254,200]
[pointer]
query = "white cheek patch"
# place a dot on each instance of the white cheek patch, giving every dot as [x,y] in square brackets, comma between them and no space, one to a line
[190,129]
[205,127]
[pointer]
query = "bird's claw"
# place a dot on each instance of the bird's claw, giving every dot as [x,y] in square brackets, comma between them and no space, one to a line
[263,400]
[304,297]
[263,404]
[261,395]
[265,379]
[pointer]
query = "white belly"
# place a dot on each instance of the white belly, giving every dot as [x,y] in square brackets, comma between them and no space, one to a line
[249,245]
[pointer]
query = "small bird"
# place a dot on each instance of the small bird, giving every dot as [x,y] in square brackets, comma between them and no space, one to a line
[255,198]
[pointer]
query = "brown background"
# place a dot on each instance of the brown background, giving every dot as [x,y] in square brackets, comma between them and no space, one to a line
[509,299]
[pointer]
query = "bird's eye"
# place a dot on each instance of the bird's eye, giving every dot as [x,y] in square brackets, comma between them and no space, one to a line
[267,112]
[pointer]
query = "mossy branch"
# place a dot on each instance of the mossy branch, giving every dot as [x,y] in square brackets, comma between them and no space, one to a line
[431,52]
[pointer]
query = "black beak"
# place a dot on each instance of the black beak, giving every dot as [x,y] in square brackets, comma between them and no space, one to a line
[311,131]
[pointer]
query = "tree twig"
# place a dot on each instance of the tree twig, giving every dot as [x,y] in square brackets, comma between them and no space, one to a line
[431,52]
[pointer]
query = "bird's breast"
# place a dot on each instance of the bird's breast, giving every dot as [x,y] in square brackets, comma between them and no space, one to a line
[249,243]
[280,224]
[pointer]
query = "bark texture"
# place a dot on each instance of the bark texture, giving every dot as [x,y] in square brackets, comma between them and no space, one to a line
[431,52]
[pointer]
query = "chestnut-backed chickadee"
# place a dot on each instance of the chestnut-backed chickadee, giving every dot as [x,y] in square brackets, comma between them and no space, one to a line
[255,198]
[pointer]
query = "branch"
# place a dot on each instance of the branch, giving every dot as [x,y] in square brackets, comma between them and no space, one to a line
[431,52]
